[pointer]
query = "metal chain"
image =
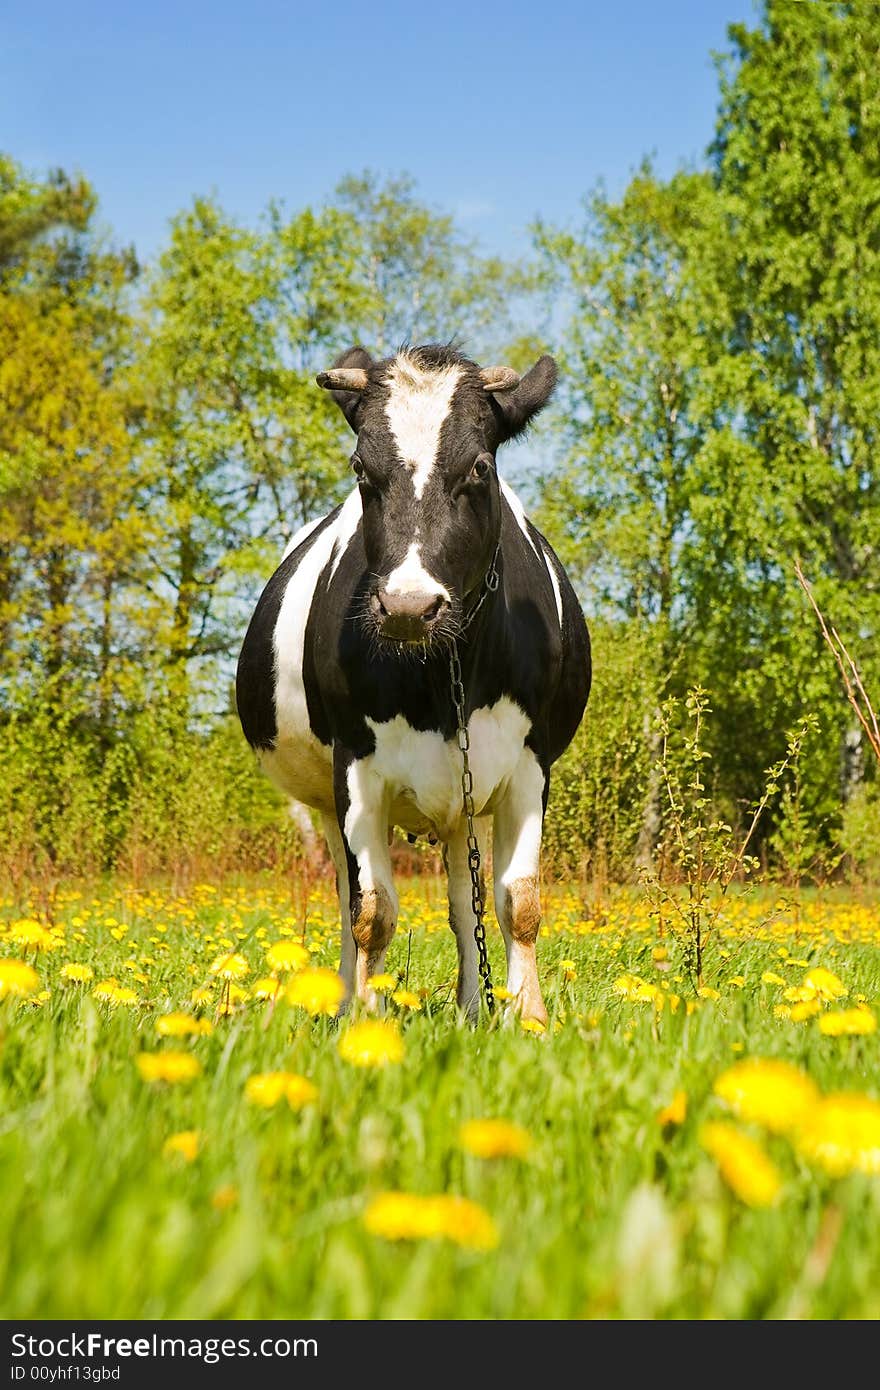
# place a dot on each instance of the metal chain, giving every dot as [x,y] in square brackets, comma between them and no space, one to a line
[490,584]
[467,801]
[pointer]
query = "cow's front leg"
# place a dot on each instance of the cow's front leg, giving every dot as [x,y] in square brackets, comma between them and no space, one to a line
[516,853]
[461,912]
[362,814]
[347,953]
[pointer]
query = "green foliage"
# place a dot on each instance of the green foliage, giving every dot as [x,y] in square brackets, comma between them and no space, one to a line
[598,787]
[700,855]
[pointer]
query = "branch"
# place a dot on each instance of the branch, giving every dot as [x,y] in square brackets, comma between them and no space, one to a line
[852,681]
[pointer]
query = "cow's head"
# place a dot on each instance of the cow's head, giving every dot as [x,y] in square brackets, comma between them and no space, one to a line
[428,425]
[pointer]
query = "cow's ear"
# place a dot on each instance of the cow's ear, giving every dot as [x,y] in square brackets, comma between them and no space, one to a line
[345,381]
[516,405]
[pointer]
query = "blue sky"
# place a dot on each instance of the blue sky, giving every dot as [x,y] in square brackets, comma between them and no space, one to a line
[501,110]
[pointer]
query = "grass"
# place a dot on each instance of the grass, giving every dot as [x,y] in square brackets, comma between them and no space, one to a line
[611,1215]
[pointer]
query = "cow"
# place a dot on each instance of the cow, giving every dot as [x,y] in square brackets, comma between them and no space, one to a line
[343,684]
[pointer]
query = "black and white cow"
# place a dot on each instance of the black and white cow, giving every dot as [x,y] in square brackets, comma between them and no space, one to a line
[343,681]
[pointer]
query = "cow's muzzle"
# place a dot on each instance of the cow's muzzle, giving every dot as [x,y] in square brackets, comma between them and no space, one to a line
[408,616]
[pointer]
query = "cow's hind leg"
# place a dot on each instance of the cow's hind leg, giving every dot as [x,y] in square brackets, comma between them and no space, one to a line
[461,913]
[362,813]
[348,949]
[516,854]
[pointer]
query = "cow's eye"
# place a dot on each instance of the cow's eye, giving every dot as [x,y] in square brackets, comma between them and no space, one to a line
[480,468]
[357,464]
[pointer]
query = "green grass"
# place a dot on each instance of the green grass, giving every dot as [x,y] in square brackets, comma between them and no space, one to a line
[611,1216]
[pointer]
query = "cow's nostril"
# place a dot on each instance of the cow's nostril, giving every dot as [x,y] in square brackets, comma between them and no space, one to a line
[433,609]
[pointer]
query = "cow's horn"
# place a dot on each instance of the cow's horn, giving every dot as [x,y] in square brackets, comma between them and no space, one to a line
[343,379]
[499,378]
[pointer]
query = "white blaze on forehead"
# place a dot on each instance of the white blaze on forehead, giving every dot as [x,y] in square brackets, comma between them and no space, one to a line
[418,403]
[411,577]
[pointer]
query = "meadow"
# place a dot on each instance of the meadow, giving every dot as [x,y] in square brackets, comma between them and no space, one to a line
[187,1132]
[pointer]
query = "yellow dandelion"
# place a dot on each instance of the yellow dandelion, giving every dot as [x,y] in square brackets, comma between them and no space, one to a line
[406,999]
[494,1139]
[201,996]
[845,1022]
[172,1067]
[112,992]
[76,974]
[32,935]
[230,967]
[737,981]
[382,983]
[659,954]
[373,1043]
[743,1165]
[502,994]
[318,991]
[569,971]
[707,992]
[224,1197]
[17,977]
[181,1025]
[287,955]
[267,988]
[808,1008]
[770,977]
[184,1145]
[405,1216]
[269,1087]
[824,985]
[770,1093]
[675,1112]
[842,1134]
[534,1026]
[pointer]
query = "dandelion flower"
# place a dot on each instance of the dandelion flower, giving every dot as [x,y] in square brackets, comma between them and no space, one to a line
[112,992]
[406,999]
[824,985]
[181,1025]
[707,992]
[847,1021]
[502,994]
[382,982]
[17,977]
[373,1043]
[222,1198]
[533,1025]
[743,1165]
[405,1216]
[773,1094]
[77,974]
[318,991]
[494,1139]
[269,1087]
[770,977]
[168,1066]
[32,935]
[842,1135]
[267,988]
[807,1008]
[230,967]
[675,1112]
[638,991]
[201,996]
[569,971]
[184,1145]
[287,955]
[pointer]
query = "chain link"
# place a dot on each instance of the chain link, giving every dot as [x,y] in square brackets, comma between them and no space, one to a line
[467,801]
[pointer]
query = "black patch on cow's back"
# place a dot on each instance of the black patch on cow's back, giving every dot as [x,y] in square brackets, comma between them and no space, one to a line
[255,675]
